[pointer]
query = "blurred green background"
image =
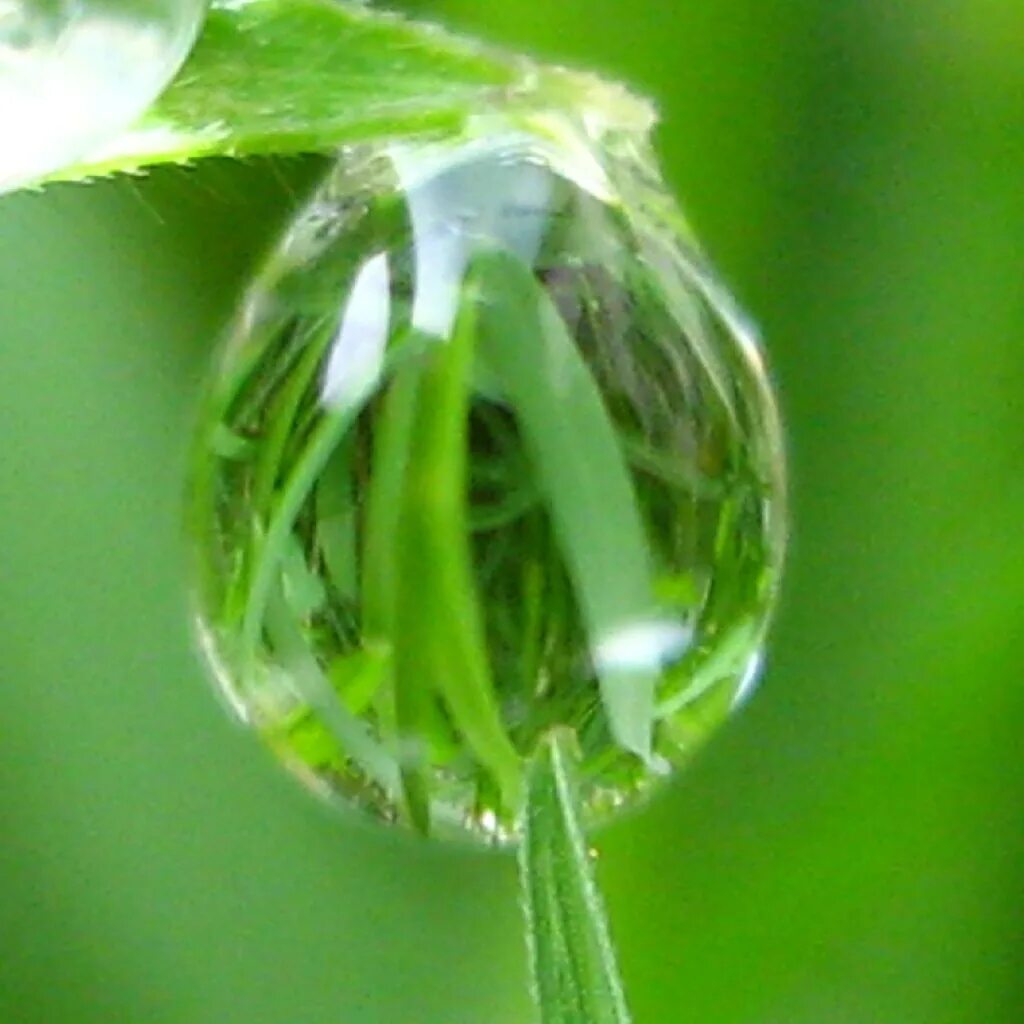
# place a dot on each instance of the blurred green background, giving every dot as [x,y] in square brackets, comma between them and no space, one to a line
[850,851]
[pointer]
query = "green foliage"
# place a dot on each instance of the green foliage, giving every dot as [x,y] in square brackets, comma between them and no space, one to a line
[848,853]
[577,451]
[294,76]
[439,627]
[575,977]
[277,76]
[287,76]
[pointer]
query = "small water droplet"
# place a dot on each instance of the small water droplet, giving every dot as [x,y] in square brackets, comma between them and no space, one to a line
[487,452]
[74,72]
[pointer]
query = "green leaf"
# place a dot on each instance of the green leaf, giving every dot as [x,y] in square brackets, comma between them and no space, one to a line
[301,76]
[293,494]
[357,676]
[440,639]
[391,443]
[352,735]
[337,528]
[575,976]
[583,470]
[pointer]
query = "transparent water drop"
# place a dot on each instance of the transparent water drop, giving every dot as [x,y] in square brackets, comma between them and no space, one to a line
[74,72]
[487,452]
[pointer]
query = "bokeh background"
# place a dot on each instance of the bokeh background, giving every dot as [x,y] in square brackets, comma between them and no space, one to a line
[851,849]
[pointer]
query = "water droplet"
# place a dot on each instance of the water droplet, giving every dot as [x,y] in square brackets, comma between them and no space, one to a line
[74,72]
[487,452]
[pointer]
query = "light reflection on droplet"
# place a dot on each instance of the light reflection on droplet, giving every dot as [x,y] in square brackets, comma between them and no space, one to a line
[458,199]
[643,646]
[356,356]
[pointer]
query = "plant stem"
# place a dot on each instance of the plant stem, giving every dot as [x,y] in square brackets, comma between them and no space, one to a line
[574,972]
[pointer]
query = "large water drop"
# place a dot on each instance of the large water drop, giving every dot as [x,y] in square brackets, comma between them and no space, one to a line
[73,72]
[487,453]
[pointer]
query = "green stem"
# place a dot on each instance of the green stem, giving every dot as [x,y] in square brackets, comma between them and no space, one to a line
[575,976]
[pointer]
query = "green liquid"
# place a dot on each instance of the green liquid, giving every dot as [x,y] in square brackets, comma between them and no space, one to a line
[487,453]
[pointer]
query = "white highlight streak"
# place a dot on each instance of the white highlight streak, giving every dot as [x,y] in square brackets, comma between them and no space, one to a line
[357,353]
